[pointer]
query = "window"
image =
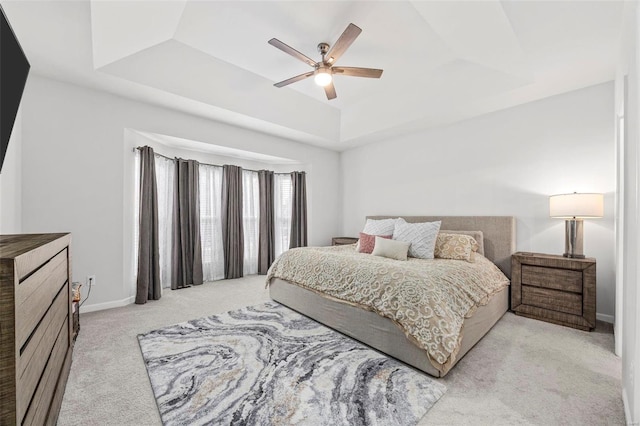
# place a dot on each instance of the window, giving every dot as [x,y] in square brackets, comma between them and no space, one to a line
[282,212]
[210,186]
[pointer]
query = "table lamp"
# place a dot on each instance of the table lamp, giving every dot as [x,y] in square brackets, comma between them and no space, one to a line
[575,207]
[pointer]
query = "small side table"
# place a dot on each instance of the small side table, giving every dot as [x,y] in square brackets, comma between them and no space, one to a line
[555,289]
[342,241]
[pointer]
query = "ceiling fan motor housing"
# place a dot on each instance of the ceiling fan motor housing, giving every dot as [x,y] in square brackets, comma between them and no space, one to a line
[323,48]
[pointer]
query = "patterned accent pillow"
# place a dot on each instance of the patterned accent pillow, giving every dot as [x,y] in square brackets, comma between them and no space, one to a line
[421,236]
[476,235]
[368,242]
[391,249]
[456,246]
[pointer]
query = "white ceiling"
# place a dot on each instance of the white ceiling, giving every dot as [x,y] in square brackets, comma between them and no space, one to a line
[443,61]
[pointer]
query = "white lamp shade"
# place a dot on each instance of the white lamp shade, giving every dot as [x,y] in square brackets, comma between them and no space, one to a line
[566,206]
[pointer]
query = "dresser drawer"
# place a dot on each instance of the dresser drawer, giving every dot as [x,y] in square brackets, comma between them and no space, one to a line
[35,295]
[33,359]
[39,407]
[554,278]
[553,300]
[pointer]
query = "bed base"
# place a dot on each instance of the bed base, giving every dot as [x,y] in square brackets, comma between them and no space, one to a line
[381,333]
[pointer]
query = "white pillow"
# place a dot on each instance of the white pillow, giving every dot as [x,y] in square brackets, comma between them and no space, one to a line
[392,249]
[380,226]
[421,236]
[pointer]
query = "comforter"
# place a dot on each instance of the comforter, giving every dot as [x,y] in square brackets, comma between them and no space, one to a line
[427,299]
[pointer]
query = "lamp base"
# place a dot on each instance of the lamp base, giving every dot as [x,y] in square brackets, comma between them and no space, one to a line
[573,247]
[574,256]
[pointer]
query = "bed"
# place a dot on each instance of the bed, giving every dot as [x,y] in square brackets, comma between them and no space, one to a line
[383,333]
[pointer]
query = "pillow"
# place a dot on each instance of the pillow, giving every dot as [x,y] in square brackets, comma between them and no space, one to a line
[379,227]
[367,242]
[456,246]
[476,235]
[421,236]
[390,248]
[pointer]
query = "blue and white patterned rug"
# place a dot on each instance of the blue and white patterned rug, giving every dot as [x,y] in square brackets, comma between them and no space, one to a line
[269,365]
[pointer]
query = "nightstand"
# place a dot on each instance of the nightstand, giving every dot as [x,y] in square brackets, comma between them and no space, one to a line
[555,289]
[342,241]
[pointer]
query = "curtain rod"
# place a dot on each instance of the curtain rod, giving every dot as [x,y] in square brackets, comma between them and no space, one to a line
[207,164]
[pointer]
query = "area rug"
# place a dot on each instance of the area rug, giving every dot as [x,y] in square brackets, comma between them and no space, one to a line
[269,365]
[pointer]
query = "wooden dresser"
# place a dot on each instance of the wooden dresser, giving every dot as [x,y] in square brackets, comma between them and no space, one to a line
[555,289]
[35,327]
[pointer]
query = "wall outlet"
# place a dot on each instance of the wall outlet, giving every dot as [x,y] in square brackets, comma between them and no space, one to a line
[91,280]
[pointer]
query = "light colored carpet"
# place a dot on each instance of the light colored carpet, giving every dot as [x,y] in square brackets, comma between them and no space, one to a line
[523,372]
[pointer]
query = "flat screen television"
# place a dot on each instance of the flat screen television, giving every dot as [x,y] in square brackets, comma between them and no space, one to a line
[14,69]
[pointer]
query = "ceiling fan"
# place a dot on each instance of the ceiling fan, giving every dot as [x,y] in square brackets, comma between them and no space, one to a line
[324,69]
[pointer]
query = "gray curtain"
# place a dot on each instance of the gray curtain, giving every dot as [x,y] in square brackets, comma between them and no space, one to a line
[186,245]
[148,280]
[232,229]
[267,242]
[299,210]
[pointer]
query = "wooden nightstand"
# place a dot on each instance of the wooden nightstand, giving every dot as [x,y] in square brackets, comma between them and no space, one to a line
[342,241]
[554,289]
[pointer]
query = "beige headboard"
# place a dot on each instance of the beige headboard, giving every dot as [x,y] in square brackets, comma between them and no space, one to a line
[499,233]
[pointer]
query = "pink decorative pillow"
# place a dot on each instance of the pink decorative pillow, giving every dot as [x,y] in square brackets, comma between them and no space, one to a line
[368,242]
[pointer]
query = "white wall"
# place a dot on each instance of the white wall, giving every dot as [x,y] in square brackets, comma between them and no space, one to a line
[629,169]
[77,174]
[11,182]
[504,163]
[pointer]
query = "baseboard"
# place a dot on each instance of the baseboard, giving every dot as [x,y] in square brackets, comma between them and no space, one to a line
[606,318]
[627,410]
[107,305]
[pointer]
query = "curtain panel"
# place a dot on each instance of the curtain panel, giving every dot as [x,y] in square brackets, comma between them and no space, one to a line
[232,222]
[299,210]
[282,212]
[250,220]
[187,249]
[211,222]
[266,239]
[165,178]
[148,285]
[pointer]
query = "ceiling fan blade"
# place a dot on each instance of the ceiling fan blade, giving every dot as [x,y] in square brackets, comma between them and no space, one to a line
[343,43]
[294,79]
[291,51]
[330,90]
[357,72]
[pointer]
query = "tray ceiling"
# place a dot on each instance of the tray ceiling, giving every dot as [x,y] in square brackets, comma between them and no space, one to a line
[442,61]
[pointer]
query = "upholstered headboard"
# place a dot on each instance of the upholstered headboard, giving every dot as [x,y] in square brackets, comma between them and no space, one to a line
[499,233]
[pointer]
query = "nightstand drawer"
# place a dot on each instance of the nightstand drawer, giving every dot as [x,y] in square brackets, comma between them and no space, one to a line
[554,278]
[553,300]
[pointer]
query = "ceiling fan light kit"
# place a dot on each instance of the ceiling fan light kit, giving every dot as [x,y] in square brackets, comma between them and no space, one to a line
[323,77]
[324,69]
